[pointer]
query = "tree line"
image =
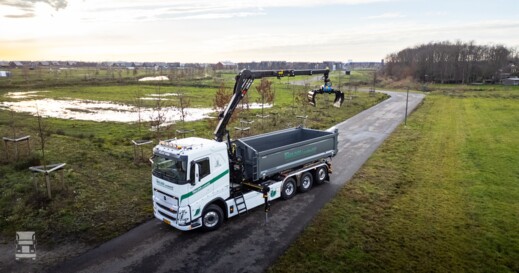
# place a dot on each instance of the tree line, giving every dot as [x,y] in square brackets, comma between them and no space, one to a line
[447,62]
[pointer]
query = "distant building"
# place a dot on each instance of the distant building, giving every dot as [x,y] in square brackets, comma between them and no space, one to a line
[107,64]
[4,64]
[225,65]
[15,64]
[511,81]
[363,65]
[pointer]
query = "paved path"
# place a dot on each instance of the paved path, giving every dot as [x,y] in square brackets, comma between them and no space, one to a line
[245,243]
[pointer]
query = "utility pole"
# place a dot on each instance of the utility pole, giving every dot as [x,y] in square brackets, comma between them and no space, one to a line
[406,104]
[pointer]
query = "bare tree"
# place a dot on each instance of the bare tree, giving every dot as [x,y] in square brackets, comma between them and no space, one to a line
[448,62]
[159,115]
[222,97]
[12,124]
[139,104]
[46,169]
[43,134]
[182,104]
[267,95]
[25,73]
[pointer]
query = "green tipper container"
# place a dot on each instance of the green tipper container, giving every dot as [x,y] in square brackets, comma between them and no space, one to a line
[271,153]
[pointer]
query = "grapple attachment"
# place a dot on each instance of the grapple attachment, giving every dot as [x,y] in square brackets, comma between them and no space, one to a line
[339,96]
[339,99]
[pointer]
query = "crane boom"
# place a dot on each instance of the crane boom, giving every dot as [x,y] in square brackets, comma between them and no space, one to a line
[242,84]
[245,78]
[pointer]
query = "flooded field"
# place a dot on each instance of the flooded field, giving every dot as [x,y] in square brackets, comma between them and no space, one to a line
[32,102]
[158,78]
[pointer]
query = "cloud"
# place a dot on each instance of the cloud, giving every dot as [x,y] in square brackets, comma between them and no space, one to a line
[28,5]
[387,15]
[26,15]
[155,10]
[219,15]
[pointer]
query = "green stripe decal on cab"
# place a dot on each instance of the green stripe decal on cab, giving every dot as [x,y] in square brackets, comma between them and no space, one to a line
[189,194]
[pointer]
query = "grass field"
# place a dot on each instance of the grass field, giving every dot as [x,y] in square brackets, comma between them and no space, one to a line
[440,195]
[106,193]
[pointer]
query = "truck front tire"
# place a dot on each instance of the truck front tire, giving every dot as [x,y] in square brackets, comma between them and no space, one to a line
[288,190]
[212,218]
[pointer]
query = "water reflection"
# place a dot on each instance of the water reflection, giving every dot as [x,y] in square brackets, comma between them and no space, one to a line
[101,110]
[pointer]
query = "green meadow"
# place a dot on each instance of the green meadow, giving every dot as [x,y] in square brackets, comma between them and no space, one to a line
[440,195]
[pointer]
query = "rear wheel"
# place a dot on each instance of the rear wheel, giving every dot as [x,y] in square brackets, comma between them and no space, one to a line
[306,182]
[320,175]
[212,218]
[288,189]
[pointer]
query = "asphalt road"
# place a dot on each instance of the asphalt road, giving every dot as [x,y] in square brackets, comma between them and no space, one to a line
[246,243]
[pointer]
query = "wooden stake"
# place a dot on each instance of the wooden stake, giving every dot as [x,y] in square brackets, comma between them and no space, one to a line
[47,179]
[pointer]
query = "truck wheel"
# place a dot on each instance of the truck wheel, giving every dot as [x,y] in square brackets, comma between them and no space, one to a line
[288,190]
[306,182]
[212,218]
[320,175]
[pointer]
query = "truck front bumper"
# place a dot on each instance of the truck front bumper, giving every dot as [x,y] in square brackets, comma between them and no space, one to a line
[192,225]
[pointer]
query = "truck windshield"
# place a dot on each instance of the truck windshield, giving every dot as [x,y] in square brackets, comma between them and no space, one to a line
[170,169]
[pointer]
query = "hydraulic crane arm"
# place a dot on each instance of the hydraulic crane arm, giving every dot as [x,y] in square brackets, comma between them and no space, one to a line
[245,79]
[242,84]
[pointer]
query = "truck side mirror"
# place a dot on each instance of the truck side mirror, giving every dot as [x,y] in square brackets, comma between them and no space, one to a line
[197,173]
[194,175]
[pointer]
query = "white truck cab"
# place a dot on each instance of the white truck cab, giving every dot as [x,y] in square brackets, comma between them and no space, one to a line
[187,173]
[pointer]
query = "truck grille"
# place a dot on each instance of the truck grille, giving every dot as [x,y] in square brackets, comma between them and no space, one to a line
[166,208]
[164,193]
[167,215]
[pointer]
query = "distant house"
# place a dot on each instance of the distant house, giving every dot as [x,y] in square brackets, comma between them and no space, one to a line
[225,65]
[107,64]
[363,65]
[31,65]
[161,65]
[511,81]
[16,64]
[4,64]
[123,64]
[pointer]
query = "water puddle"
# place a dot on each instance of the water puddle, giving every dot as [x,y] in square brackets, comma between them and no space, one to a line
[102,110]
[159,96]
[23,95]
[158,78]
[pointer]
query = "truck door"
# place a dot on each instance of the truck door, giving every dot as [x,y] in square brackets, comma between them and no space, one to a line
[202,189]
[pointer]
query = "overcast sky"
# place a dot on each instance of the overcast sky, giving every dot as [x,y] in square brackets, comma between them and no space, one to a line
[218,30]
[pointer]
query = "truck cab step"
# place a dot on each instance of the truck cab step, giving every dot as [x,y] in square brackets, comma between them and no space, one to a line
[241,207]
